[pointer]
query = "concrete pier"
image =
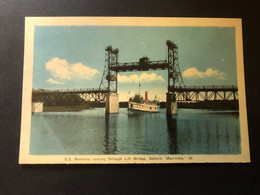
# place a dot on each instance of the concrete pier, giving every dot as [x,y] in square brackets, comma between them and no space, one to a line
[112,104]
[37,107]
[171,104]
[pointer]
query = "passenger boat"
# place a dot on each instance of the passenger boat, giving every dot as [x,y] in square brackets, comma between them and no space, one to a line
[137,104]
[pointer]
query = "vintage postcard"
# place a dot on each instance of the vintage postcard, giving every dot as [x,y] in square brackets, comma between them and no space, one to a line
[102,90]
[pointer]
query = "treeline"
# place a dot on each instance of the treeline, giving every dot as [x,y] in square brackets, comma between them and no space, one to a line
[216,104]
[219,104]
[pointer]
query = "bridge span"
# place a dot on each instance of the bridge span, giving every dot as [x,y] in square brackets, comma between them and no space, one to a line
[88,94]
[143,65]
[206,93]
[177,91]
[186,93]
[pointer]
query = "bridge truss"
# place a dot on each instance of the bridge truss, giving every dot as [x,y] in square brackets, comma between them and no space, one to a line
[91,94]
[109,77]
[177,91]
[206,93]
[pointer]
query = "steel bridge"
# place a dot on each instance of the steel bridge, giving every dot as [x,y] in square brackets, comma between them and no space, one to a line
[89,94]
[187,93]
[206,93]
[177,91]
[144,65]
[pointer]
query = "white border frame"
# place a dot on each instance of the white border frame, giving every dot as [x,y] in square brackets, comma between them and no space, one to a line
[31,22]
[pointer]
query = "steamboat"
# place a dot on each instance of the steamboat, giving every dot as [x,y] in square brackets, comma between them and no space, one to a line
[137,104]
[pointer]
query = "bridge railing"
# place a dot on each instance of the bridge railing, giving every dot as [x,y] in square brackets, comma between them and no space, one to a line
[207,87]
[71,90]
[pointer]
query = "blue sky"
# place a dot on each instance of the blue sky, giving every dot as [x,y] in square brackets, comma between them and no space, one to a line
[72,57]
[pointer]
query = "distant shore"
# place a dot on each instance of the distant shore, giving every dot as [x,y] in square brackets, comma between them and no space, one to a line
[64,108]
[228,105]
[224,105]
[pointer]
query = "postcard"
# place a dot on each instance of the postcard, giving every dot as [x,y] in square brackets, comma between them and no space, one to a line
[127,90]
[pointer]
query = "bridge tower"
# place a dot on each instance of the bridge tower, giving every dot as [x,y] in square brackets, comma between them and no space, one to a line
[174,78]
[109,80]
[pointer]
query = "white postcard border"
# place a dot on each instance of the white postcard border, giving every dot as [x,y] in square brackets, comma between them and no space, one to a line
[31,22]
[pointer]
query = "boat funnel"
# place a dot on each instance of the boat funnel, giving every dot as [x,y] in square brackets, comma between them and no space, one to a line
[146,95]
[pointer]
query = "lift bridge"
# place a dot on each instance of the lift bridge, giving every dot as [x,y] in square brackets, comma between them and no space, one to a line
[177,91]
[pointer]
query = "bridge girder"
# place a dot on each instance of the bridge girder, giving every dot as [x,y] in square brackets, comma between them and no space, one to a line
[88,95]
[206,93]
[137,66]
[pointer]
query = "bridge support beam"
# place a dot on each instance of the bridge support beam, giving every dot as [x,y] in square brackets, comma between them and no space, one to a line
[112,103]
[171,104]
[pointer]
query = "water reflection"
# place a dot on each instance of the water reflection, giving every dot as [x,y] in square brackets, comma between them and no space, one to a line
[204,136]
[93,132]
[110,138]
[172,134]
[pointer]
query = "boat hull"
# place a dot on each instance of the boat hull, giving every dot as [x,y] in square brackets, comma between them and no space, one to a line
[143,107]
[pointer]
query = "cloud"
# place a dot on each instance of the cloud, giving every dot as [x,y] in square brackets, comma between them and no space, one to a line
[51,81]
[83,72]
[60,68]
[195,74]
[136,78]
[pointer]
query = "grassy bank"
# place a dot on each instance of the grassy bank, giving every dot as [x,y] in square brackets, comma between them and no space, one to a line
[64,108]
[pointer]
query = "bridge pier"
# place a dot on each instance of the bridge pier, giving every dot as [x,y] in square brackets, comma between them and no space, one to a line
[171,104]
[112,103]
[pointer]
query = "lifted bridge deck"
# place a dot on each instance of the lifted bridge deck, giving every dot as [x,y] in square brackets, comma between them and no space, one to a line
[140,66]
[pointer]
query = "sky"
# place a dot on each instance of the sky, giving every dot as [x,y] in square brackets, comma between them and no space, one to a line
[73,57]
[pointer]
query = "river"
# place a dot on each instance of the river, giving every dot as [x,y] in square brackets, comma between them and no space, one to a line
[91,132]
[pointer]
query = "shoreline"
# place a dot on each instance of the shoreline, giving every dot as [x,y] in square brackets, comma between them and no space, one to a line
[63,108]
[198,105]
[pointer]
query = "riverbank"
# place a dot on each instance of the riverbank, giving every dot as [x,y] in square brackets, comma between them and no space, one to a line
[224,105]
[64,108]
[230,105]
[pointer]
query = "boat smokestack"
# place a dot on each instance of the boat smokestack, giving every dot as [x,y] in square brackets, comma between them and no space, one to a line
[146,95]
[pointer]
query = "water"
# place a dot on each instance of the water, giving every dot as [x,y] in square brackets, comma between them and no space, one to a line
[92,132]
